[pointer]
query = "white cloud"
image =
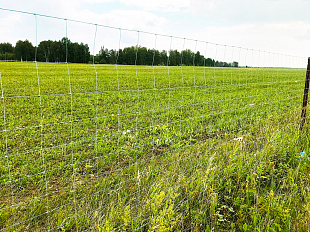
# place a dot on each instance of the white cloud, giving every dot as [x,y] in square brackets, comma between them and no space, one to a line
[163,5]
[135,19]
[251,11]
[95,1]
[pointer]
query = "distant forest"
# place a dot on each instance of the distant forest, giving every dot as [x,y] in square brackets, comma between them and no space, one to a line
[55,51]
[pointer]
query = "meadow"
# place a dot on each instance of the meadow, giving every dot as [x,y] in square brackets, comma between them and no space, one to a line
[140,148]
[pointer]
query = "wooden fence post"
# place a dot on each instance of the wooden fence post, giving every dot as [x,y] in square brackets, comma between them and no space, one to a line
[305,101]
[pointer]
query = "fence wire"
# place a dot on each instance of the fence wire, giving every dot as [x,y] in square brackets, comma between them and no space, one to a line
[93,147]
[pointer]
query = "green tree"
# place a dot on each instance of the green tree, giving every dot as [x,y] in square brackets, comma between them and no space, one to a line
[209,62]
[112,56]
[44,50]
[199,59]
[85,53]
[6,51]
[74,53]
[55,51]
[163,57]
[156,57]
[24,50]
[187,57]
[142,56]
[64,49]
[129,55]
[235,64]
[6,47]
[174,58]
[103,55]
[120,57]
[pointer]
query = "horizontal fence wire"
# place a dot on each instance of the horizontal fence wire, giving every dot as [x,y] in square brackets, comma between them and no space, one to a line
[114,147]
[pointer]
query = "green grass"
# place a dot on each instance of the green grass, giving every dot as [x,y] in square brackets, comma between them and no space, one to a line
[152,149]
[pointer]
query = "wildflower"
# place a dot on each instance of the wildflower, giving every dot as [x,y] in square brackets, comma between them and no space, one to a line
[126,132]
[238,139]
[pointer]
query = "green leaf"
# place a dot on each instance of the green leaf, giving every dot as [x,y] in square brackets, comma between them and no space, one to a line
[245,227]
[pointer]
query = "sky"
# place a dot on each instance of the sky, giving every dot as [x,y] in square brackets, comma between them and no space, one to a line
[263,29]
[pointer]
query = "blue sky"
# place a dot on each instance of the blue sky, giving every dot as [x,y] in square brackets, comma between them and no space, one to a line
[276,26]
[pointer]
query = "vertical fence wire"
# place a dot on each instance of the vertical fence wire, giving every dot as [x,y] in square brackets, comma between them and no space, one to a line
[41,123]
[6,152]
[71,133]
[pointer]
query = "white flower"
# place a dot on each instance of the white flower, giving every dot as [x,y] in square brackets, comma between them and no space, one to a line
[238,139]
[126,132]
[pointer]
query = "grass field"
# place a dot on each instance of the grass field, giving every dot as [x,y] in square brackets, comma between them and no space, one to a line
[129,148]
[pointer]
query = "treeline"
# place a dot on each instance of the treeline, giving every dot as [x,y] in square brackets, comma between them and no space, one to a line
[47,51]
[65,50]
[144,56]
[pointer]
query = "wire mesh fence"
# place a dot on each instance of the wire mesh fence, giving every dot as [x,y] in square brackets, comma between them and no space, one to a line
[158,147]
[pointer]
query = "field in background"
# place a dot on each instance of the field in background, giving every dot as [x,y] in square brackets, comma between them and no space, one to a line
[142,148]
